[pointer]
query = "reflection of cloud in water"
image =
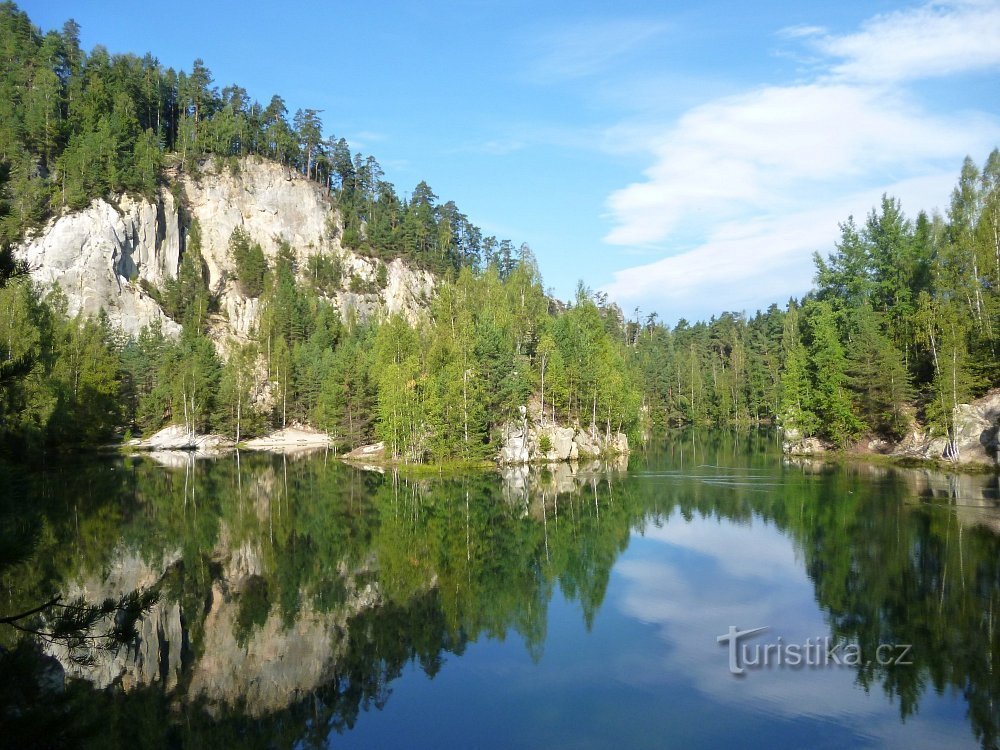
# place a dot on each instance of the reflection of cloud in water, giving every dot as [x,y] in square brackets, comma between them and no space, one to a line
[692,580]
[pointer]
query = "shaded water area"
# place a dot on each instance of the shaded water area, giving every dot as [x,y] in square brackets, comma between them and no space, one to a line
[306,603]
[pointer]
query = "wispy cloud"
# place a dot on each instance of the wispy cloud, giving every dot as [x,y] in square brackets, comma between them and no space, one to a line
[741,189]
[801,31]
[364,138]
[778,147]
[587,48]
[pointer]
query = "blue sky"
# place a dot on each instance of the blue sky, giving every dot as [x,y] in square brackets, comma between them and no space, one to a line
[686,157]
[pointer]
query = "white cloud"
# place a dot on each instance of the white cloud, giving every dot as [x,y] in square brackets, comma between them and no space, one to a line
[743,188]
[937,39]
[749,263]
[801,32]
[763,149]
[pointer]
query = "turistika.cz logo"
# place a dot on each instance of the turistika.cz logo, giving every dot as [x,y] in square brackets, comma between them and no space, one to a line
[822,651]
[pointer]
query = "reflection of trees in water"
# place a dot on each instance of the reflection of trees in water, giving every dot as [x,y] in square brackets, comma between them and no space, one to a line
[275,541]
[898,556]
[455,559]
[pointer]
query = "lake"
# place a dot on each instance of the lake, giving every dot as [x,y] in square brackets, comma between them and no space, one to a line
[307,603]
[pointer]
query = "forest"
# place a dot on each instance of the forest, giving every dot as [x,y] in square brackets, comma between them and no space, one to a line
[902,323]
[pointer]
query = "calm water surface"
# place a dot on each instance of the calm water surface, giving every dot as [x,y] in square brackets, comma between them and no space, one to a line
[307,603]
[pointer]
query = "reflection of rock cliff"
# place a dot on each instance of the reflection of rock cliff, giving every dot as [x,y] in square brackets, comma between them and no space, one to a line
[102,256]
[157,654]
[534,486]
[975,498]
[278,663]
[262,668]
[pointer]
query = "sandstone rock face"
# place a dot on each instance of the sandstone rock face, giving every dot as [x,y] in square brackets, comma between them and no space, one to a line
[976,435]
[100,256]
[269,202]
[522,443]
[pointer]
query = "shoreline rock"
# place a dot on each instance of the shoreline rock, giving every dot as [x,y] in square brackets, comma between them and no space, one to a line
[179,438]
[977,425]
[522,443]
[976,443]
[290,439]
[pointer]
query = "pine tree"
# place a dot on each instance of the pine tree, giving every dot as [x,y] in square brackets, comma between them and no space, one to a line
[830,400]
[877,376]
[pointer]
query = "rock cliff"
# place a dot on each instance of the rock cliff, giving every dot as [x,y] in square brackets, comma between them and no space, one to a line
[101,256]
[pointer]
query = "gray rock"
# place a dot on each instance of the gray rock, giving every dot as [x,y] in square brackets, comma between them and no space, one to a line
[521,443]
[809,446]
[373,452]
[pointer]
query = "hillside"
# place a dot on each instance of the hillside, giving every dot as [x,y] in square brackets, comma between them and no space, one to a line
[115,254]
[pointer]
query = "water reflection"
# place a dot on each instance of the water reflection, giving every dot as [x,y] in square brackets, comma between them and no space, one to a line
[298,591]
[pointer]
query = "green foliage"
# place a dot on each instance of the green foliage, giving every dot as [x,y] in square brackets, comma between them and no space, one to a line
[60,379]
[830,398]
[250,263]
[325,272]
[877,376]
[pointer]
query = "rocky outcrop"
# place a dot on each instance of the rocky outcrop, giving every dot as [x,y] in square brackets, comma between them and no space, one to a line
[793,443]
[105,256]
[374,453]
[525,441]
[975,441]
[294,439]
[178,438]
